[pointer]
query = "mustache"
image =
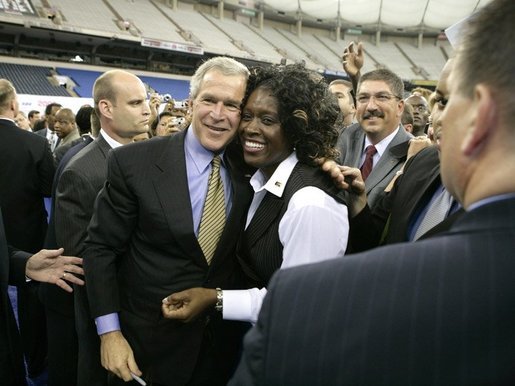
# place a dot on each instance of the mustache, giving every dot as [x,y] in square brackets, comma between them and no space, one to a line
[373,113]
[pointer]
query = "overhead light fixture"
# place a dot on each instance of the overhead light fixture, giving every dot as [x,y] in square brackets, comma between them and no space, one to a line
[77,58]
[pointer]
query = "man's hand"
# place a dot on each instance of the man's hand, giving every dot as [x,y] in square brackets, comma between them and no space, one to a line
[349,179]
[49,266]
[187,305]
[117,356]
[154,103]
[353,59]
[416,144]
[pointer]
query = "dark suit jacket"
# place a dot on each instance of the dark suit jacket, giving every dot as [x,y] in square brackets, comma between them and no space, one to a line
[54,297]
[409,195]
[25,178]
[12,271]
[438,311]
[77,189]
[142,247]
[350,145]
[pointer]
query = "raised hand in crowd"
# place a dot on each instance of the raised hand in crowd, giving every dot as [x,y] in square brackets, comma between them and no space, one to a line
[352,59]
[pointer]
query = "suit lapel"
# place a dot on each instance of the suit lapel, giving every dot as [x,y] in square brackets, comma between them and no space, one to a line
[358,139]
[171,186]
[393,156]
[241,197]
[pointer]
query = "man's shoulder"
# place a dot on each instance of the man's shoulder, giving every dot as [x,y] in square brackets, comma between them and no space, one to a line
[14,133]
[148,151]
[90,157]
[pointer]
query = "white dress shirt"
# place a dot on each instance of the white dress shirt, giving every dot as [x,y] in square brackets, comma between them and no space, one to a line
[315,227]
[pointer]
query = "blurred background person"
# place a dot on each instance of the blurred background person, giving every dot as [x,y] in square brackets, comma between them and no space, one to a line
[342,89]
[420,114]
[22,121]
[33,116]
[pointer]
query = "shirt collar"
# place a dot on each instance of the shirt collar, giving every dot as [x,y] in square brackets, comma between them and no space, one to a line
[9,119]
[383,144]
[489,200]
[113,143]
[200,156]
[279,178]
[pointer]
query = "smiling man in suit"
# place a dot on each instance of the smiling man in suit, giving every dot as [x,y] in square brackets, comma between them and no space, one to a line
[379,133]
[438,311]
[143,244]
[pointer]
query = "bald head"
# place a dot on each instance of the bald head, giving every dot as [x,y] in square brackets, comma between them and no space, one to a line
[8,101]
[121,105]
[64,122]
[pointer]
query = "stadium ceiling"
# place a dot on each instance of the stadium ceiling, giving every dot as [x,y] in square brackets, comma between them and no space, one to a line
[426,16]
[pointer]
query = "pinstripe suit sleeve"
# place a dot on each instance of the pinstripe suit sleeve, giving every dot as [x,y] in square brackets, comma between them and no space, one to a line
[75,197]
[110,230]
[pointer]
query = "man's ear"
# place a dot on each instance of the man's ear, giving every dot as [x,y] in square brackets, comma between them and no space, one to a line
[400,108]
[483,120]
[105,107]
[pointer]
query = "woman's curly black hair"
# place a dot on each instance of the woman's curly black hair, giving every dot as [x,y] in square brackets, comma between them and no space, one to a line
[307,110]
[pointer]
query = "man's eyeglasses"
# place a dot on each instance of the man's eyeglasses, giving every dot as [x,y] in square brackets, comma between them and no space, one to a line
[380,97]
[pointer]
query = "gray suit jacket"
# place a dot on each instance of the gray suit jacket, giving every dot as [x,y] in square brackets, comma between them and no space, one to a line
[350,145]
[75,196]
[434,312]
[77,189]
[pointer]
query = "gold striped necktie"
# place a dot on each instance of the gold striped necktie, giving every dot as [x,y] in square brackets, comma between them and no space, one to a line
[213,215]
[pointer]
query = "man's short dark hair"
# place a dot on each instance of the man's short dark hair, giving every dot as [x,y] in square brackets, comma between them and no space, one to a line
[32,113]
[49,107]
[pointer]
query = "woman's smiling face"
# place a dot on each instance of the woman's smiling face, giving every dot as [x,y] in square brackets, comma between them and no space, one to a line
[264,143]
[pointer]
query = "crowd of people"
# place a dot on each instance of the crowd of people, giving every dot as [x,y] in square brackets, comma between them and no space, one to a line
[275,230]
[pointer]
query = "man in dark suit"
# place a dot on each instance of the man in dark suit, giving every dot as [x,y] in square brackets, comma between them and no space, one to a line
[50,110]
[59,305]
[25,179]
[438,311]
[379,107]
[403,209]
[19,268]
[142,242]
[78,186]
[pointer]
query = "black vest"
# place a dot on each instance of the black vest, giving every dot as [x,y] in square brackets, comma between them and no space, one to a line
[259,250]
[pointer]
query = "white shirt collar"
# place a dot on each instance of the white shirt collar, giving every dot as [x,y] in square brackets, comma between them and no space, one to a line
[381,145]
[279,178]
[113,143]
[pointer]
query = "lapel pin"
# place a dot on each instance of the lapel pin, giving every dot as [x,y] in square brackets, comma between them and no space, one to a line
[278,184]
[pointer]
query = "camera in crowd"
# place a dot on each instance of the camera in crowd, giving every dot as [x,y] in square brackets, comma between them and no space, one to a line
[165,98]
[177,105]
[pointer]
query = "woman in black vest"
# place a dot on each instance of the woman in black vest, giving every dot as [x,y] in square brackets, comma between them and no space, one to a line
[297,216]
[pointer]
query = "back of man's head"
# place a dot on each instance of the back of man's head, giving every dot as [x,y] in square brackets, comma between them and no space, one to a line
[52,108]
[491,27]
[105,88]
[83,119]
[7,95]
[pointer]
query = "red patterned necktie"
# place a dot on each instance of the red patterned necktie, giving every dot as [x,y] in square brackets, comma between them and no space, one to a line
[367,166]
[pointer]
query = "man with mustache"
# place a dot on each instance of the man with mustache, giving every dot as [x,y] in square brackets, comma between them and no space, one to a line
[413,196]
[378,144]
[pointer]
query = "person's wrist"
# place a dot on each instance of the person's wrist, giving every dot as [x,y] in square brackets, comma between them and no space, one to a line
[219,306]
